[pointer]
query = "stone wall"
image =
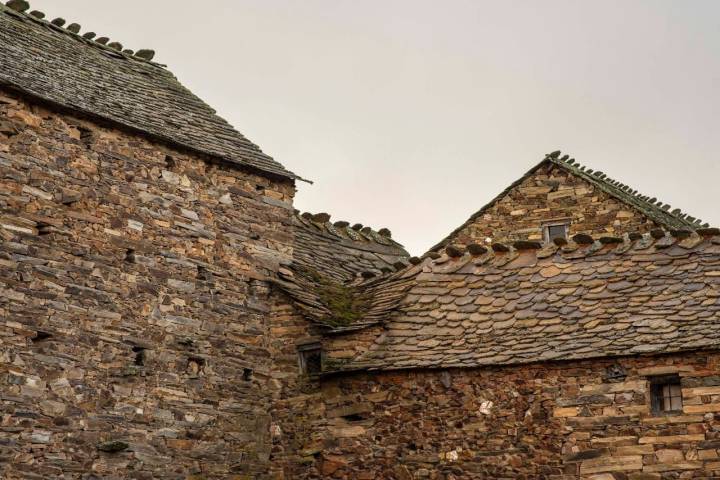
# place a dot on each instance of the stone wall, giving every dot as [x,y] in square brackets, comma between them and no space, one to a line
[298,412]
[297,408]
[133,304]
[553,194]
[557,421]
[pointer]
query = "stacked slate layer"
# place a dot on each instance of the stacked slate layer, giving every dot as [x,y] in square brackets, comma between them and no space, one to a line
[61,67]
[341,252]
[610,297]
[558,190]
[329,260]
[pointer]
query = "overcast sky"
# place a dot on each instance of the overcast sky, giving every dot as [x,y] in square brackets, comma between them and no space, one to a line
[413,114]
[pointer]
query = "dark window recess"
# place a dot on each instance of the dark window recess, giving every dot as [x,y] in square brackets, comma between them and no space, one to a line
[666,394]
[170,163]
[130,256]
[310,357]
[44,228]
[86,136]
[139,355]
[247,374]
[551,232]
[40,336]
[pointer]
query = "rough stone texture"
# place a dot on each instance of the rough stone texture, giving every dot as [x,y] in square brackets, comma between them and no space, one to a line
[57,65]
[134,304]
[555,191]
[553,421]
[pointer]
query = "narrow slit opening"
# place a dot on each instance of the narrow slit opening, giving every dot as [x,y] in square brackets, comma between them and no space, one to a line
[139,355]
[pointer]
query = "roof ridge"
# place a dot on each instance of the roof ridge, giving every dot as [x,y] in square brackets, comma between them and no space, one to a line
[18,9]
[620,189]
[356,232]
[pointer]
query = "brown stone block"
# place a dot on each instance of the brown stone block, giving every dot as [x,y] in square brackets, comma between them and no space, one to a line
[661,467]
[612,464]
[704,408]
[672,439]
[634,450]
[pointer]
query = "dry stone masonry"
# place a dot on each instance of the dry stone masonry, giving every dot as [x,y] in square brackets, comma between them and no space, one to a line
[560,191]
[165,313]
[134,300]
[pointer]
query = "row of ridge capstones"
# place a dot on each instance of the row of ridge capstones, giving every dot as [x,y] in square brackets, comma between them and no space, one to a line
[677,213]
[23,6]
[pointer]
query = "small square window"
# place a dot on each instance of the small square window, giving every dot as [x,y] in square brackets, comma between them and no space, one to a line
[553,231]
[666,394]
[310,358]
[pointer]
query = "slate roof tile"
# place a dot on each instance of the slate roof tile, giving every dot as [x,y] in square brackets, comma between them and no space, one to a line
[598,300]
[328,260]
[59,66]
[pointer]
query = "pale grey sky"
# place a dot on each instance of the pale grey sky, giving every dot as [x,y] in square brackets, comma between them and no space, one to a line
[412,114]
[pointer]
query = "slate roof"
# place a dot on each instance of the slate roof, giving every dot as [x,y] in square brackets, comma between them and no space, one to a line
[330,260]
[655,293]
[56,65]
[661,213]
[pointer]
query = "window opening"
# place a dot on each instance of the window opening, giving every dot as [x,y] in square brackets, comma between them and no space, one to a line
[310,357]
[555,230]
[666,394]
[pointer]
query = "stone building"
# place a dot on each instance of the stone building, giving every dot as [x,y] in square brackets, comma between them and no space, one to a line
[166,313]
[139,233]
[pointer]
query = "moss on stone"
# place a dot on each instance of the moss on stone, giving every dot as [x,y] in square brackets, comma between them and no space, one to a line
[345,302]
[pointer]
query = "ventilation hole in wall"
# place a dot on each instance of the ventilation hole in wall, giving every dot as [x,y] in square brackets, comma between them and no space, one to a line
[139,355]
[130,255]
[412,446]
[203,273]
[44,228]
[87,137]
[354,417]
[259,188]
[247,374]
[40,336]
[170,163]
[195,366]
